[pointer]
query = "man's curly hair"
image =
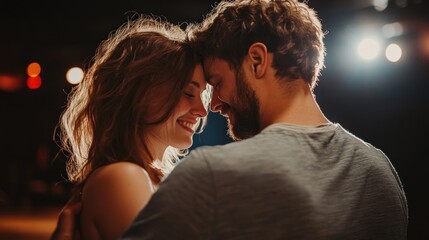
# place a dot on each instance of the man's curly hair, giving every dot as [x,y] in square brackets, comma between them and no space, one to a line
[289,29]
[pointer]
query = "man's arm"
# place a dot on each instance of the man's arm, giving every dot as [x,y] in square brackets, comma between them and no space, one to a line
[182,207]
[66,224]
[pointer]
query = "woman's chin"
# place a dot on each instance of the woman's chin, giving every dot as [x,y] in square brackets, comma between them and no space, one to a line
[184,145]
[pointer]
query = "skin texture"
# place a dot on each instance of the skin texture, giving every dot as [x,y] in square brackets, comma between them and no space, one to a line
[105,214]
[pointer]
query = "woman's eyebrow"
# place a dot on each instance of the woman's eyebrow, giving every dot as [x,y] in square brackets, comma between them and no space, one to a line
[195,83]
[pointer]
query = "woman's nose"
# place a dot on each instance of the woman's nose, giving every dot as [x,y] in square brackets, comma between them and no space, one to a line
[199,109]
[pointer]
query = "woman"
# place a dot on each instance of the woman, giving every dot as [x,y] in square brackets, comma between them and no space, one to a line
[129,121]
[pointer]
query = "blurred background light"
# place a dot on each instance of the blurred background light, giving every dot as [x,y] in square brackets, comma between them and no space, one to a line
[368,48]
[392,30]
[74,75]
[34,82]
[393,52]
[380,5]
[11,83]
[33,69]
[424,44]
[401,3]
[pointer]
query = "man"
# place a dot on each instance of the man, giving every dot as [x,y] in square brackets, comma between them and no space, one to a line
[292,174]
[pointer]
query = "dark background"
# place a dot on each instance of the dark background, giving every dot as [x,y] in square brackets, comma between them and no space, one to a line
[383,103]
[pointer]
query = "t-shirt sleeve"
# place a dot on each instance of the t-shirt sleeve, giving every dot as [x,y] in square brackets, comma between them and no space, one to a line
[182,207]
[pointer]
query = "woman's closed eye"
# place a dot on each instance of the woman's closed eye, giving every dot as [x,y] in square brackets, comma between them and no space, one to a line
[190,95]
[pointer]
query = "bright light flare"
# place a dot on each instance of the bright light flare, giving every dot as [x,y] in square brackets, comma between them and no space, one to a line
[368,49]
[74,75]
[393,52]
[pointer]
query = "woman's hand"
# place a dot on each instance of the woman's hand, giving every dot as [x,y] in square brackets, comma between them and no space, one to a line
[67,227]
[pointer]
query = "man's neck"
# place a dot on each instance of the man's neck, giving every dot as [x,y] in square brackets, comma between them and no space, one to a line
[293,103]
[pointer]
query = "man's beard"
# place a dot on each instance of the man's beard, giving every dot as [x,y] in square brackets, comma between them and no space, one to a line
[244,110]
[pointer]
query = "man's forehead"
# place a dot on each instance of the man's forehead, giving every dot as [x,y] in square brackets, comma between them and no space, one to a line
[213,67]
[209,63]
[209,69]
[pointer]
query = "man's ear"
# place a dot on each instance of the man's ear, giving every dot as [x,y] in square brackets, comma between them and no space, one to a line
[258,56]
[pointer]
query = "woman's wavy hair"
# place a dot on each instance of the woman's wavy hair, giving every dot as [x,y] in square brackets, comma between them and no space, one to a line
[134,81]
[289,29]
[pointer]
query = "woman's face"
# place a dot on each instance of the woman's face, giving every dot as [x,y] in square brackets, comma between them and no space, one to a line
[180,127]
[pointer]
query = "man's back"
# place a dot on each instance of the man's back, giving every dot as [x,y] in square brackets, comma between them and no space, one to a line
[288,182]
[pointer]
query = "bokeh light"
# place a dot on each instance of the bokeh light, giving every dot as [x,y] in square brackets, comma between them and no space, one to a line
[393,52]
[368,48]
[34,82]
[33,69]
[11,83]
[392,30]
[74,75]
[380,5]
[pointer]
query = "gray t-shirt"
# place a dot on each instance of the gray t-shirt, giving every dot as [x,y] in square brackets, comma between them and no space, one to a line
[288,182]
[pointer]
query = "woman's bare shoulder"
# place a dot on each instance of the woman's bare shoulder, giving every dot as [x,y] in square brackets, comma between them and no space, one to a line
[117,167]
[116,175]
[113,195]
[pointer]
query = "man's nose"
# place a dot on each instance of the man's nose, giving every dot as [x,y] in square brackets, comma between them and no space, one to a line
[215,105]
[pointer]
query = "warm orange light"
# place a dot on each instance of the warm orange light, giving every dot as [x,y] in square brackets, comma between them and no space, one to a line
[34,82]
[34,69]
[11,83]
[424,44]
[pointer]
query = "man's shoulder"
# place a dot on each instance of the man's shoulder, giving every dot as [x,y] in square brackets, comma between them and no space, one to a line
[226,151]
